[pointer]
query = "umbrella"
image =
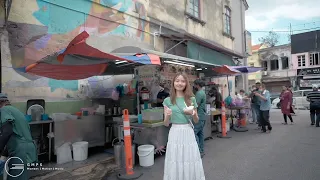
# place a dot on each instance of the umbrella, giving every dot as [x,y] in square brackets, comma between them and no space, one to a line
[79,60]
[246,69]
[226,70]
[234,71]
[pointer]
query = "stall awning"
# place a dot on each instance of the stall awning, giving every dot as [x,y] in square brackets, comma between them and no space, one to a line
[235,70]
[163,55]
[79,60]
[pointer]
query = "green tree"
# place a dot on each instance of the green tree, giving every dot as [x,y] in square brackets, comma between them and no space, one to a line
[271,39]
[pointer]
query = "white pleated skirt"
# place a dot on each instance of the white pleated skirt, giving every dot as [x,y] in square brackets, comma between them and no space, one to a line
[183,160]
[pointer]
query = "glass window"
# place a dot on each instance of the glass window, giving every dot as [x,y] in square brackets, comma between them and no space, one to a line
[297,94]
[194,8]
[274,65]
[227,18]
[302,61]
[305,93]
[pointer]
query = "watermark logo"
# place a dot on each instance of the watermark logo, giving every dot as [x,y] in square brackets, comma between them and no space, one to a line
[16,165]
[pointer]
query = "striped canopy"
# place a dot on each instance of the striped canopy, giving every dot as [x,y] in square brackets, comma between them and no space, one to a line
[80,60]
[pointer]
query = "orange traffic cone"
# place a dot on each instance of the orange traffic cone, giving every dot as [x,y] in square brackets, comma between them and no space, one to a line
[223,122]
[129,174]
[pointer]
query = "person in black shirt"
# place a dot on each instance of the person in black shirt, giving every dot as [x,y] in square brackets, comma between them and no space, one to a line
[162,95]
[216,96]
[314,99]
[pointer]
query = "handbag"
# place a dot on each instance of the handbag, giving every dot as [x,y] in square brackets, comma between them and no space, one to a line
[189,120]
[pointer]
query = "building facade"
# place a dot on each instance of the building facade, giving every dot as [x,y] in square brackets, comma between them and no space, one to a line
[206,31]
[306,58]
[278,67]
[254,61]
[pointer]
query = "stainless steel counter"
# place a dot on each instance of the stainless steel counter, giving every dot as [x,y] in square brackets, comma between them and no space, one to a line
[145,133]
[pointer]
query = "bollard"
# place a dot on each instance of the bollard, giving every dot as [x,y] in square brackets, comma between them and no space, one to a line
[129,173]
[223,122]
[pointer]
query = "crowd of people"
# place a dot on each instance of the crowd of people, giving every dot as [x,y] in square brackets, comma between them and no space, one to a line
[186,112]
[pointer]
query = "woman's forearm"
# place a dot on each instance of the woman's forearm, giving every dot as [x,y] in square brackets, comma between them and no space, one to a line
[195,117]
[166,121]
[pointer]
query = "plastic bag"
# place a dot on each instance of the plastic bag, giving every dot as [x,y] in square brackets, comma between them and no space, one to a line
[239,102]
[228,101]
[115,95]
[64,153]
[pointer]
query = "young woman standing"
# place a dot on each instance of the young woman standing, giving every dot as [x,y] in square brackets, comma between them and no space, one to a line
[286,104]
[183,160]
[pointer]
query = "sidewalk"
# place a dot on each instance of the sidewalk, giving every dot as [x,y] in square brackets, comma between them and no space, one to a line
[92,170]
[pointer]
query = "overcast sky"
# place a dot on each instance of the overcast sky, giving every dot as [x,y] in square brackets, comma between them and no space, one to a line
[266,15]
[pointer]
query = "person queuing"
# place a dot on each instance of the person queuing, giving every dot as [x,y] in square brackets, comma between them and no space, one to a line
[183,160]
[16,137]
[314,99]
[215,98]
[286,104]
[163,93]
[265,106]
[255,104]
[201,101]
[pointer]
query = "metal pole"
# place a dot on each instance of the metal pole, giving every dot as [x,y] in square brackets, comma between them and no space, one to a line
[136,73]
[0,65]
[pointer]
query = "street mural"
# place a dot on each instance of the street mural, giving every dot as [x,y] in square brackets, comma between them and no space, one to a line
[38,28]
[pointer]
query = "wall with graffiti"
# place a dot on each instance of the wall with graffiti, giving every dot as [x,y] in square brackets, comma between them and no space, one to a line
[38,28]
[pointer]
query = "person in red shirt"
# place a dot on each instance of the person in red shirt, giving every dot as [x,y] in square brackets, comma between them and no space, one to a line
[286,104]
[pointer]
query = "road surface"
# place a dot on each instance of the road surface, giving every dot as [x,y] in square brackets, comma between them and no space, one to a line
[289,152]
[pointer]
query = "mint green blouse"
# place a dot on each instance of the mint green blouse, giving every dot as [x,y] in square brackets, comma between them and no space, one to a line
[178,117]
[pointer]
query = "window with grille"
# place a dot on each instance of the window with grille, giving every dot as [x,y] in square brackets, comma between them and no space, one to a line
[314,59]
[265,65]
[302,61]
[194,8]
[285,62]
[274,65]
[227,20]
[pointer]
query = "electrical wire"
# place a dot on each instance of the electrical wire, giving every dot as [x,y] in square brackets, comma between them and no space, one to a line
[288,27]
[299,30]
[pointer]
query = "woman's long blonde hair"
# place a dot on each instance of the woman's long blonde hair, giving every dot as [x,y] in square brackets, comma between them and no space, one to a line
[187,91]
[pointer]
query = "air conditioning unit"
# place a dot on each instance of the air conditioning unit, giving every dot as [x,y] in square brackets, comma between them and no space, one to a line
[264,73]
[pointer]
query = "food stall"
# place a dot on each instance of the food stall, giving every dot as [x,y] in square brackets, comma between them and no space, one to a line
[81,61]
[236,104]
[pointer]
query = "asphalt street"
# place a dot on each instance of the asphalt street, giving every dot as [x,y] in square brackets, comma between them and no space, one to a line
[289,152]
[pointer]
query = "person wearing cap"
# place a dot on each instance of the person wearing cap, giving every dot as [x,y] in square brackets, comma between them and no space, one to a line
[201,101]
[163,93]
[16,137]
[314,99]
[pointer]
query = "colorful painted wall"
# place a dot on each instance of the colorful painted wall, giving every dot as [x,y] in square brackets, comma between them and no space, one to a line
[38,28]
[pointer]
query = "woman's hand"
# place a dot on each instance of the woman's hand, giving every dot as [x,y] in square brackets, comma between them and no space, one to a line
[167,115]
[167,111]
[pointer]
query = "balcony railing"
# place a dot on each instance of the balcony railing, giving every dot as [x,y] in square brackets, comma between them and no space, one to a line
[282,73]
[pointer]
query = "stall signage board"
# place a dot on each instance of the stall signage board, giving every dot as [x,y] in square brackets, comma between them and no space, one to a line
[148,73]
[309,82]
[308,71]
[168,71]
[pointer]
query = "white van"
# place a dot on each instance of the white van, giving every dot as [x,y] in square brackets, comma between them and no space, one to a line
[299,100]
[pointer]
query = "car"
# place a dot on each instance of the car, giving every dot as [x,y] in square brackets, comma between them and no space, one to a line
[299,100]
[276,103]
[274,96]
